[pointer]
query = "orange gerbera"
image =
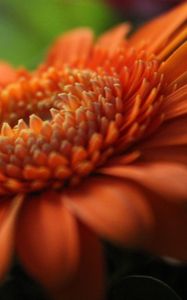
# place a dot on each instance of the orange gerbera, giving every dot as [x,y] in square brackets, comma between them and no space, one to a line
[104,154]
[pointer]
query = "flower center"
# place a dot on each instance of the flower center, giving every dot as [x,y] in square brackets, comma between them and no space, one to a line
[60,125]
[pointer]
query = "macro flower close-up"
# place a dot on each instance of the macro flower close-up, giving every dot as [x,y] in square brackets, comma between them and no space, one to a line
[93,147]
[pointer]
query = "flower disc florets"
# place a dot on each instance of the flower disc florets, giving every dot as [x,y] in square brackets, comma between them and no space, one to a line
[59,125]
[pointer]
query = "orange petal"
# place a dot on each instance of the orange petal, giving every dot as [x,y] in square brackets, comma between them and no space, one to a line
[114,37]
[166,179]
[153,35]
[175,104]
[169,235]
[165,154]
[72,47]
[7,74]
[112,208]
[47,240]
[8,216]
[179,82]
[172,133]
[175,65]
[89,281]
[174,44]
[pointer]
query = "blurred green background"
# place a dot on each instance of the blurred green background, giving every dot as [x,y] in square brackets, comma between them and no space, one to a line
[27,27]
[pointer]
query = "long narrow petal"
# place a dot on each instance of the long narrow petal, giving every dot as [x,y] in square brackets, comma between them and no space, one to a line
[47,240]
[115,210]
[151,223]
[179,82]
[153,34]
[172,133]
[177,154]
[72,47]
[175,43]
[175,104]
[168,180]
[89,281]
[175,65]
[9,209]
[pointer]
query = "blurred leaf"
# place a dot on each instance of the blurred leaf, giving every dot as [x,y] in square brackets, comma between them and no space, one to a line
[142,288]
[28,27]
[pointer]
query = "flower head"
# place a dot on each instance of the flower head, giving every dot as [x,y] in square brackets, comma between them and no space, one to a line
[94,143]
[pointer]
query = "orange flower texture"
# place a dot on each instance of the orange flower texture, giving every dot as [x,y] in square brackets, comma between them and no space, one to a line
[93,146]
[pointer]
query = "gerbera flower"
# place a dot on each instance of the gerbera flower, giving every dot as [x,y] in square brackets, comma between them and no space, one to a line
[94,145]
